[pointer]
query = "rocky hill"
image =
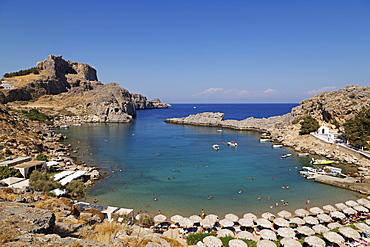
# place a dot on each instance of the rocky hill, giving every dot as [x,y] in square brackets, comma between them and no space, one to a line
[72,88]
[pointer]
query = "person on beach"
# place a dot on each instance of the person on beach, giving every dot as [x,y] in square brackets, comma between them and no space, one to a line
[159,212]
[308,201]
[203,214]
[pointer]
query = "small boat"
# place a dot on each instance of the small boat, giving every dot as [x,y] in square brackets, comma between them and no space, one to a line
[216,147]
[321,162]
[64,126]
[264,140]
[285,155]
[303,154]
[306,171]
[232,143]
[219,130]
[277,146]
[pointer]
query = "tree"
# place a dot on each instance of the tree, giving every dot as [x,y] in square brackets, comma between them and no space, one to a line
[357,129]
[308,125]
[42,157]
[6,172]
[77,188]
[41,181]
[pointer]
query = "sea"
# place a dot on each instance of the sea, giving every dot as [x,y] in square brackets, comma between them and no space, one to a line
[151,165]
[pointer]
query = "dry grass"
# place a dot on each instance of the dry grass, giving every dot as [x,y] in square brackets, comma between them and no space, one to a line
[6,237]
[94,211]
[103,231]
[172,242]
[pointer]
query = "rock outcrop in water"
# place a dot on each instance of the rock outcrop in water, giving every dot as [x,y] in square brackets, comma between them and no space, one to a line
[74,87]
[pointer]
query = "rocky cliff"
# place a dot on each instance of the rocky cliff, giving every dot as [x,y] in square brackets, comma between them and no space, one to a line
[73,86]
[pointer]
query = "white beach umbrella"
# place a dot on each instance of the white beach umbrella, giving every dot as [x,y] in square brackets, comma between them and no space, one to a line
[159,218]
[268,234]
[205,223]
[363,227]
[315,241]
[212,217]
[290,242]
[305,230]
[237,243]
[301,212]
[329,208]
[176,218]
[351,203]
[363,201]
[246,222]
[265,243]
[225,233]
[245,235]
[226,223]
[367,205]
[231,217]
[284,214]
[281,222]
[186,222]
[311,220]
[316,210]
[320,229]
[361,209]
[251,216]
[195,218]
[337,214]
[324,217]
[297,221]
[334,225]
[268,216]
[367,221]
[212,241]
[349,211]
[341,206]
[349,232]
[264,223]
[334,237]
[286,232]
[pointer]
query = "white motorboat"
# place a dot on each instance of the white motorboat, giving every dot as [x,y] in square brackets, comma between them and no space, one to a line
[216,147]
[277,146]
[264,140]
[232,143]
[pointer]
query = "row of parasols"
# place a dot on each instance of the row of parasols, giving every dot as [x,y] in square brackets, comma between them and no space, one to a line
[304,223]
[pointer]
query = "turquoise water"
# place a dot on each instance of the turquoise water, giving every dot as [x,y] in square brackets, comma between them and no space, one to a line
[149,159]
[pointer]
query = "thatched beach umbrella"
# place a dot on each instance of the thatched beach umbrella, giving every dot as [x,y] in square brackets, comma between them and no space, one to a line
[334,237]
[265,243]
[195,218]
[297,221]
[363,201]
[232,217]
[281,222]
[268,234]
[349,232]
[226,223]
[212,217]
[363,227]
[212,241]
[334,225]
[268,216]
[250,216]
[301,212]
[351,203]
[340,206]
[320,229]
[225,233]
[289,242]
[315,241]
[246,222]
[305,230]
[284,214]
[264,223]
[176,218]
[245,235]
[311,220]
[237,243]
[206,223]
[186,222]
[316,210]
[324,217]
[159,218]
[361,209]
[337,214]
[349,211]
[329,208]
[286,232]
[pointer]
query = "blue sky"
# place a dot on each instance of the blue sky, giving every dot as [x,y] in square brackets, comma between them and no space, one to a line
[198,51]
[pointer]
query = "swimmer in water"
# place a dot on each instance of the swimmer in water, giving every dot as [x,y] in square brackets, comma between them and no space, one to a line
[239,191]
[155,199]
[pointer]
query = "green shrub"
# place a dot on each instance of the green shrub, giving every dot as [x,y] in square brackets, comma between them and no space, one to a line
[308,125]
[77,188]
[6,172]
[8,152]
[225,240]
[42,157]
[357,129]
[41,181]
[193,239]
[33,70]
